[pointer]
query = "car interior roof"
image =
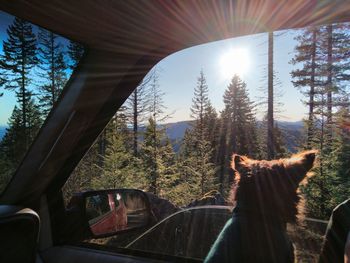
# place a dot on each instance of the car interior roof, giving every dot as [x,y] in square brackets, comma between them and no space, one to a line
[137,27]
[124,40]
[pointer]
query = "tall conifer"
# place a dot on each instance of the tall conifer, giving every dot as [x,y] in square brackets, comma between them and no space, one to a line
[75,52]
[20,56]
[53,69]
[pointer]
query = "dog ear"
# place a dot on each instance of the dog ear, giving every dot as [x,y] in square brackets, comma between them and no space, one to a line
[301,163]
[308,159]
[237,162]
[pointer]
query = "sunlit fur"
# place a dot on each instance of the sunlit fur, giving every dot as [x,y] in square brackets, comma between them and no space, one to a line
[266,197]
[271,187]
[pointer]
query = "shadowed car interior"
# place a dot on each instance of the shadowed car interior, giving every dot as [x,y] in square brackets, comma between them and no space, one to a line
[120,44]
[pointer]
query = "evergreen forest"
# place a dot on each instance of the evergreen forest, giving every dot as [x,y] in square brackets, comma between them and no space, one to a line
[134,150]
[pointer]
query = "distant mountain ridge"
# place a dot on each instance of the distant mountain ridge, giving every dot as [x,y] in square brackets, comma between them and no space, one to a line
[176,130]
[292,132]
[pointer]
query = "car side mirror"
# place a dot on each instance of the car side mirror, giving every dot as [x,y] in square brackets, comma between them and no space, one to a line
[108,212]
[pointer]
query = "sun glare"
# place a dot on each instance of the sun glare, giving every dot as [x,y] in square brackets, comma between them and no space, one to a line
[235,61]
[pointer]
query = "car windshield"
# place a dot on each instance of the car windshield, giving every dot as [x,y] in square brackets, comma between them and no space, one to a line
[190,133]
[265,96]
[35,65]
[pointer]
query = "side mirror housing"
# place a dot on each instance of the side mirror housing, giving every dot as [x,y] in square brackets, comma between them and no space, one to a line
[108,212]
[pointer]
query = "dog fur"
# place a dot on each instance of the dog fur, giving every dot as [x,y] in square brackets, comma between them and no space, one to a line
[266,197]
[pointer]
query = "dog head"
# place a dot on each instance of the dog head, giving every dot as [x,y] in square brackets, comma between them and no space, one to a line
[271,186]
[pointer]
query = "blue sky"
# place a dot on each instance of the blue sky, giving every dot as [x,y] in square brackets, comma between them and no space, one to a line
[178,74]
[8,100]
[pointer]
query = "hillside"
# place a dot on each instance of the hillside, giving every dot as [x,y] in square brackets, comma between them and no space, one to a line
[292,133]
[175,131]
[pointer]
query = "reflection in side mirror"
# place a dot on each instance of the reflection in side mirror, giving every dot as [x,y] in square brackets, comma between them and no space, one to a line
[112,211]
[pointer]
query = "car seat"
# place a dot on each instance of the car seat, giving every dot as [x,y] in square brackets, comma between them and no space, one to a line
[19,230]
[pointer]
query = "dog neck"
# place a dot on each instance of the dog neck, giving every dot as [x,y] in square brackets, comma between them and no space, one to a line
[255,215]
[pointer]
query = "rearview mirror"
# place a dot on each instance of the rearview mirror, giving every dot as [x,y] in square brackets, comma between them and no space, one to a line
[108,212]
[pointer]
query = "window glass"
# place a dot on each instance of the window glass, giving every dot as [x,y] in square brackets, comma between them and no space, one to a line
[35,65]
[97,206]
[265,96]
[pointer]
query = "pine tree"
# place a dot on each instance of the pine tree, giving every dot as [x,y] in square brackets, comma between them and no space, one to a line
[271,147]
[335,48]
[200,107]
[239,113]
[187,144]
[75,52]
[170,177]
[205,167]
[274,142]
[150,155]
[280,146]
[156,108]
[212,126]
[323,53]
[329,72]
[120,168]
[269,103]
[7,171]
[307,78]
[138,106]
[152,148]
[20,56]
[34,120]
[238,131]
[199,143]
[222,153]
[82,176]
[211,123]
[12,145]
[190,181]
[200,151]
[206,124]
[117,170]
[340,155]
[3,79]
[335,72]
[161,168]
[91,174]
[280,149]
[53,69]
[196,164]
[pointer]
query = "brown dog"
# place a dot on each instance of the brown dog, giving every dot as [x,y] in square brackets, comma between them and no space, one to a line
[266,196]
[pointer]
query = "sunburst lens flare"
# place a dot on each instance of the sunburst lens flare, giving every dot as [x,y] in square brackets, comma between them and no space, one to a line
[235,62]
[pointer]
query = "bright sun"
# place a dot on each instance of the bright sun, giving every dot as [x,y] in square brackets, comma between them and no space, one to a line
[235,61]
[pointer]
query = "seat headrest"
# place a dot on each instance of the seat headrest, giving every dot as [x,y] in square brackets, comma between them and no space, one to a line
[19,231]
